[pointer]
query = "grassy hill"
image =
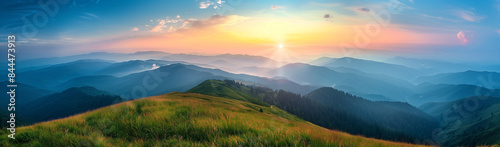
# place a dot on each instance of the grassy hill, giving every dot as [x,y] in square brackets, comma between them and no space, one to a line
[334,109]
[184,119]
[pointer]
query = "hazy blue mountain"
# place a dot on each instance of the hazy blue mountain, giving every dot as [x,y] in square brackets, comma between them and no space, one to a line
[69,102]
[426,92]
[353,83]
[275,83]
[255,70]
[24,93]
[54,75]
[437,109]
[480,78]
[133,66]
[224,60]
[382,77]
[470,121]
[119,57]
[170,78]
[428,66]
[370,66]
[228,62]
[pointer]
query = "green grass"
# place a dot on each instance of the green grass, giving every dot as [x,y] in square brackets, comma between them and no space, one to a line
[221,89]
[184,119]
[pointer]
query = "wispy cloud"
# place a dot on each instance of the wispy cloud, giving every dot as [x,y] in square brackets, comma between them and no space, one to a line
[217,20]
[274,7]
[206,4]
[363,9]
[160,26]
[498,31]
[432,17]
[468,15]
[135,29]
[89,16]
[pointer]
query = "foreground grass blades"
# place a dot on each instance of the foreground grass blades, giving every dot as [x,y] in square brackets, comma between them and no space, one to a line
[184,119]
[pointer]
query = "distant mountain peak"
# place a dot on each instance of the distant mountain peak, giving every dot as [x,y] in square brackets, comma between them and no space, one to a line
[88,90]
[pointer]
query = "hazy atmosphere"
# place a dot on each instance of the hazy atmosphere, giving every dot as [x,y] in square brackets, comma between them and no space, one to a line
[250,73]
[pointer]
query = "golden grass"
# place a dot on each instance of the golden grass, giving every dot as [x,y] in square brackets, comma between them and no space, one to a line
[185,119]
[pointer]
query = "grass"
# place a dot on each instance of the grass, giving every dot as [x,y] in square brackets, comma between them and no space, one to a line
[184,119]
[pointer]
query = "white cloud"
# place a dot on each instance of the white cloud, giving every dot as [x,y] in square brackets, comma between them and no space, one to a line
[468,15]
[220,2]
[159,27]
[206,4]
[135,29]
[178,16]
[155,67]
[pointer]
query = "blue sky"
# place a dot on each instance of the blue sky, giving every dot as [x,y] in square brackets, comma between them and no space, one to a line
[450,30]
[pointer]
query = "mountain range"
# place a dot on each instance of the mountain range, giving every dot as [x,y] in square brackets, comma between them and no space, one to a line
[400,99]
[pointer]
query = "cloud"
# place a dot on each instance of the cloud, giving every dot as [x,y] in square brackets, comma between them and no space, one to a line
[174,23]
[159,27]
[328,17]
[154,67]
[363,9]
[498,31]
[431,17]
[411,1]
[216,20]
[206,4]
[274,7]
[89,16]
[135,29]
[462,37]
[468,15]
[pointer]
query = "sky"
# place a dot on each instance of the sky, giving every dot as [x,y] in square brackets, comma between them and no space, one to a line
[286,30]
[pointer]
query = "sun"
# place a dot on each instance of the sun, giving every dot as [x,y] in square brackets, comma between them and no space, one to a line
[281,46]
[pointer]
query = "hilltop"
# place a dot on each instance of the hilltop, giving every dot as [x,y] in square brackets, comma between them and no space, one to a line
[184,119]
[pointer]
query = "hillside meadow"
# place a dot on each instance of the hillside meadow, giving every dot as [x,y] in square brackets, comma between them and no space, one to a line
[184,119]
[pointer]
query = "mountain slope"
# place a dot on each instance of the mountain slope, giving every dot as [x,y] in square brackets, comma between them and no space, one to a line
[222,89]
[69,102]
[428,66]
[370,66]
[129,67]
[24,93]
[479,78]
[437,109]
[184,119]
[170,78]
[396,115]
[352,83]
[425,93]
[467,122]
[52,76]
[323,113]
